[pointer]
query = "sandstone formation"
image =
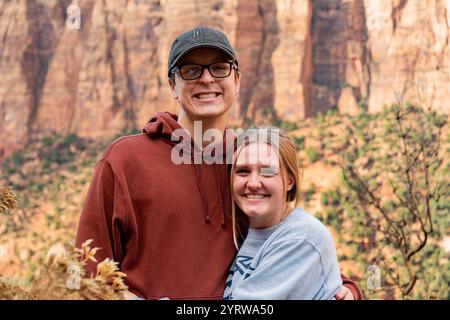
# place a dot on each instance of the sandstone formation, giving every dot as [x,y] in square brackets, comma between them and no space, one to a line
[297,58]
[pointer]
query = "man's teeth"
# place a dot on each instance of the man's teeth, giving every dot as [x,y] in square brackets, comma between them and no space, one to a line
[255,196]
[207,95]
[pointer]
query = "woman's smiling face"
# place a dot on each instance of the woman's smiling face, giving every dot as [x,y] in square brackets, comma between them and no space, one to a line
[260,184]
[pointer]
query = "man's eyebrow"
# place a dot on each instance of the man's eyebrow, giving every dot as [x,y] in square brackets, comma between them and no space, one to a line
[222,59]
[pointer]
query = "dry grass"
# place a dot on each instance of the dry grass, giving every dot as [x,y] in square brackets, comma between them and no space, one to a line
[62,277]
[8,200]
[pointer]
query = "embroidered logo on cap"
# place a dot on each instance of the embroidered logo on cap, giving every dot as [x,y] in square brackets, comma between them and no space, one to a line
[195,33]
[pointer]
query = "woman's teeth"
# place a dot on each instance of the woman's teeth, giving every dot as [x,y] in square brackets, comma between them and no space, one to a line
[255,196]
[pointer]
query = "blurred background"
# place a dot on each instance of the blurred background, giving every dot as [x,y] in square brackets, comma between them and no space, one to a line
[362,86]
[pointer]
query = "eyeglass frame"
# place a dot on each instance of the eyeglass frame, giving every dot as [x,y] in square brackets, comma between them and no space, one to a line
[232,64]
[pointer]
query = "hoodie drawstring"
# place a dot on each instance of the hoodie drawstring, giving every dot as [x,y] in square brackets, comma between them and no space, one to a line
[220,195]
[201,190]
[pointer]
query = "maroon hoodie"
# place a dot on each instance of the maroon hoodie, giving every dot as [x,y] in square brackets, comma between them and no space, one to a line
[167,225]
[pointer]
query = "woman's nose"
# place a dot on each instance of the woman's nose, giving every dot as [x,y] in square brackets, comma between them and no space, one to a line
[254,181]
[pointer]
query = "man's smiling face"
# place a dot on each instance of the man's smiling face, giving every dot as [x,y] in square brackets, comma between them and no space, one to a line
[206,97]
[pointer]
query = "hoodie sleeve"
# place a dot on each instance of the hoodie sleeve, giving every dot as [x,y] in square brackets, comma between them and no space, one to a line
[352,286]
[103,218]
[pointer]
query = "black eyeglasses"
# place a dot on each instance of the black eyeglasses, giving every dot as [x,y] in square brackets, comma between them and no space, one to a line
[194,71]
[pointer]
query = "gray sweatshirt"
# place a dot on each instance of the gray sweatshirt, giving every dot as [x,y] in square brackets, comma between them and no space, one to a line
[294,259]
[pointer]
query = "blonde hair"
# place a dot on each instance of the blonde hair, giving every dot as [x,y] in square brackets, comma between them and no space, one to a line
[289,163]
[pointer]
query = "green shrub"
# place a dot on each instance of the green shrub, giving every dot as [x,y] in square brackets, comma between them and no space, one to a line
[16,159]
[394,191]
[299,142]
[311,154]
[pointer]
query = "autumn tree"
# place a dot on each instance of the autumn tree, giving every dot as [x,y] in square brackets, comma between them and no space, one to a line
[392,207]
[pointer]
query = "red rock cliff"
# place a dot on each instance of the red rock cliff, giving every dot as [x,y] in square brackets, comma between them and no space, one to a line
[298,57]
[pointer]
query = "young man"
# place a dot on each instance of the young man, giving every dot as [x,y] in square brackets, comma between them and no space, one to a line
[168,224]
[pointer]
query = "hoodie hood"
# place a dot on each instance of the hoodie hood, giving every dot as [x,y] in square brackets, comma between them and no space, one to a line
[163,124]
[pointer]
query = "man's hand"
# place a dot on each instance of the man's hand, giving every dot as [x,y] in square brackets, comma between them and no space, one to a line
[344,294]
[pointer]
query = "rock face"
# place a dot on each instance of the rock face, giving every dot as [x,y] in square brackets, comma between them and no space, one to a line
[409,48]
[297,58]
[339,54]
[29,34]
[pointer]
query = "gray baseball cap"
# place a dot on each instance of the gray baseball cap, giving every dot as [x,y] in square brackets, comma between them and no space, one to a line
[199,37]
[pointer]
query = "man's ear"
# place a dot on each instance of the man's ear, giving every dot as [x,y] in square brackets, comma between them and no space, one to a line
[238,83]
[172,87]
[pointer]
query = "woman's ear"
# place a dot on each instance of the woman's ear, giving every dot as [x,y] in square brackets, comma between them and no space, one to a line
[291,182]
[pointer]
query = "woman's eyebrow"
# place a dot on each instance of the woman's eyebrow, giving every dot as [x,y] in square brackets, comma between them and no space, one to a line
[262,165]
[271,167]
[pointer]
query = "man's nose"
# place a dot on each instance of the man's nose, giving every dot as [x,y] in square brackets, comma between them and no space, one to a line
[206,76]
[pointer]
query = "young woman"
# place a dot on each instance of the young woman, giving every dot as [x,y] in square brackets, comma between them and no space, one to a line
[287,253]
